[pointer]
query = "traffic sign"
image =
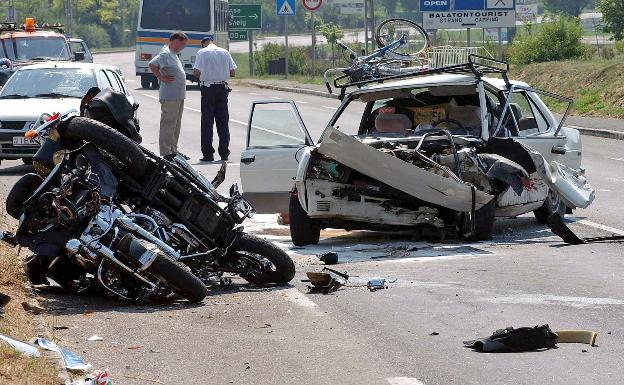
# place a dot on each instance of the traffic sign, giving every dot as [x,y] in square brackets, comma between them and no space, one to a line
[435,5]
[469,19]
[314,5]
[285,7]
[500,4]
[239,35]
[245,16]
[469,5]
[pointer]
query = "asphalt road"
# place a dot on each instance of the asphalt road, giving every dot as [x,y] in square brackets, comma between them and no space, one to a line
[245,335]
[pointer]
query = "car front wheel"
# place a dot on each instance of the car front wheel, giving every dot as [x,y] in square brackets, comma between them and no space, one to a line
[303,229]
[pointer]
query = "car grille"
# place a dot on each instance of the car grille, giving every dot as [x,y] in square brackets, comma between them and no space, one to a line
[322,206]
[12,125]
[7,149]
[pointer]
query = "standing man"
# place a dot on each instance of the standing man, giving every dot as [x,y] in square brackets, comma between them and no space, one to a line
[213,67]
[168,69]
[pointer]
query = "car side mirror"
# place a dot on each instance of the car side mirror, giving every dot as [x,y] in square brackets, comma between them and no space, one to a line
[79,56]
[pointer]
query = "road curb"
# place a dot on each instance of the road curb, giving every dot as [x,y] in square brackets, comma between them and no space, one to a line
[608,134]
[296,90]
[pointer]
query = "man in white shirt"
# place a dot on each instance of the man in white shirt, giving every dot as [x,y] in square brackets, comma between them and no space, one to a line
[213,67]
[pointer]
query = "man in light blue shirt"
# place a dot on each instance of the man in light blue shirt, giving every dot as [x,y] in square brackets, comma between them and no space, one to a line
[213,67]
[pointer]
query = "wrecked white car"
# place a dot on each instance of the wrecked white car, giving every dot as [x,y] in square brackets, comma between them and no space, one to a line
[441,152]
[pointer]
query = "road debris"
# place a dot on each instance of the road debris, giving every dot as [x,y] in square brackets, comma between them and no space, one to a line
[24,348]
[326,281]
[33,306]
[330,258]
[434,334]
[99,377]
[376,283]
[70,360]
[95,338]
[557,226]
[530,339]
[4,300]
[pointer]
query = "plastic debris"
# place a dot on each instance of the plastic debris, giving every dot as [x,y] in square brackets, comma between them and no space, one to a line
[95,338]
[24,348]
[330,258]
[99,377]
[71,360]
[376,283]
[326,281]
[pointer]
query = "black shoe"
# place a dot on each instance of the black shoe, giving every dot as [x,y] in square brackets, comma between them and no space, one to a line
[207,159]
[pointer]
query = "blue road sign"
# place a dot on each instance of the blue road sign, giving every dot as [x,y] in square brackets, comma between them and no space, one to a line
[500,4]
[469,5]
[435,5]
[285,7]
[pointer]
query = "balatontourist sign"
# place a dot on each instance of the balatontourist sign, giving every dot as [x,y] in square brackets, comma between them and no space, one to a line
[469,19]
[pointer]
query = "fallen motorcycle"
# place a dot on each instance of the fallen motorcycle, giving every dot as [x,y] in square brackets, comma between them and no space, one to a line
[138,224]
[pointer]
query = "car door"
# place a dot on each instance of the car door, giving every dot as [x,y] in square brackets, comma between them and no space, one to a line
[276,135]
[79,45]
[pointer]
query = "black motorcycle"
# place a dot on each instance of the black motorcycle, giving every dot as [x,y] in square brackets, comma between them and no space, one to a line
[110,202]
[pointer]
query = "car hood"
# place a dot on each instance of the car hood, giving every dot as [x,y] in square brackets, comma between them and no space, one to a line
[31,109]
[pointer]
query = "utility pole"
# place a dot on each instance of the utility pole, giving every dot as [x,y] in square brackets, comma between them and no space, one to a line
[286,41]
[313,21]
[10,12]
[69,16]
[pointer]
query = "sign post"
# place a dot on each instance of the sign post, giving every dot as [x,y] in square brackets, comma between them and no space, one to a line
[245,18]
[313,6]
[285,8]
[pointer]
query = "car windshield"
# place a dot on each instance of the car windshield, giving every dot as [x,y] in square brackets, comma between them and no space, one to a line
[36,48]
[413,111]
[49,82]
[194,15]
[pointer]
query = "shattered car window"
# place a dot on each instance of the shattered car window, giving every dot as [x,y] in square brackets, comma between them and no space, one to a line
[528,116]
[275,124]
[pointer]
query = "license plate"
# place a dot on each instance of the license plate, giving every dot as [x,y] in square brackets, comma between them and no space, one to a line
[22,141]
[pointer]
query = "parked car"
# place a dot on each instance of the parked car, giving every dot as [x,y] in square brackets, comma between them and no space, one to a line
[440,151]
[45,88]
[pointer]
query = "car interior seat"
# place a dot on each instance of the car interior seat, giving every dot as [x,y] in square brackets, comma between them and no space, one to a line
[393,123]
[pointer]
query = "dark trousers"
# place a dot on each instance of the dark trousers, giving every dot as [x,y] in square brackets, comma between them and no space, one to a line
[214,108]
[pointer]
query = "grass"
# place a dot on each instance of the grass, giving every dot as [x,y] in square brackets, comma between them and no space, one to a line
[242,72]
[18,324]
[597,86]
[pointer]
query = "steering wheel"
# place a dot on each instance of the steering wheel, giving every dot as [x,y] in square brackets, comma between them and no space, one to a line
[453,121]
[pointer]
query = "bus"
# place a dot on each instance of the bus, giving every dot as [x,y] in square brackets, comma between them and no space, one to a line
[159,18]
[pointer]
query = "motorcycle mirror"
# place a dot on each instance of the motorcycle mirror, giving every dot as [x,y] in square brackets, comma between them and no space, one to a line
[220,177]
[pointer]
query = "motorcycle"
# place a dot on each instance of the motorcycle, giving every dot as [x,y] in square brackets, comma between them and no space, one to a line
[139,225]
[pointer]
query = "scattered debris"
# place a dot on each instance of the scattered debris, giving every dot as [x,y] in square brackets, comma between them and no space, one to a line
[326,281]
[557,226]
[24,348]
[33,306]
[134,347]
[95,338]
[376,283]
[4,300]
[330,258]
[71,360]
[583,350]
[434,334]
[529,339]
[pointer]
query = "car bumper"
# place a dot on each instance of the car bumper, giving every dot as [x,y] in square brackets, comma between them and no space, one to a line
[10,151]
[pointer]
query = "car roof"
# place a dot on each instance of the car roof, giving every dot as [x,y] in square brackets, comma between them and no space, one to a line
[76,65]
[435,80]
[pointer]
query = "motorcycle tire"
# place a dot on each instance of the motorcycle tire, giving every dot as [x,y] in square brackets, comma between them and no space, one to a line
[181,281]
[284,265]
[110,140]
[20,192]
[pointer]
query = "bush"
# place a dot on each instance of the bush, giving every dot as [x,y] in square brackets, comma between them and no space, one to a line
[559,38]
[298,58]
[94,35]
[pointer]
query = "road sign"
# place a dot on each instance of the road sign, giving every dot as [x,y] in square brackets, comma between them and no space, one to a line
[469,19]
[469,5]
[350,7]
[245,16]
[312,5]
[435,5]
[500,4]
[285,7]
[239,35]
[526,13]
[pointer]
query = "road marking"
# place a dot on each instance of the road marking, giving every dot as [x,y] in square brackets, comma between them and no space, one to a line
[603,190]
[549,299]
[275,97]
[618,159]
[255,94]
[295,296]
[331,108]
[301,102]
[239,122]
[404,381]
[598,226]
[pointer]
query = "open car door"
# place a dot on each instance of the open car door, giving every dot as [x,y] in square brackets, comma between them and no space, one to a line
[275,136]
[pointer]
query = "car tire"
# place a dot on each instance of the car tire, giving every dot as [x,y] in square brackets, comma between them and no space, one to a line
[27,161]
[146,81]
[110,140]
[303,230]
[484,223]
[553,204]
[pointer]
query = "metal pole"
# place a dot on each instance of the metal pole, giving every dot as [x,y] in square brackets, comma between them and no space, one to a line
[69,16]
[366,26]
[251,60]
[286,40]
[313,21]
[468,38]
[11,12]
[500,43]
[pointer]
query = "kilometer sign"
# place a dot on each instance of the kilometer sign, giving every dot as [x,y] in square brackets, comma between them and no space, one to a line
[469,19]
[312,5]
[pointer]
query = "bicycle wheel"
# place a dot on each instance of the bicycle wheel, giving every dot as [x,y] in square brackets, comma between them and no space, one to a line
[393,29]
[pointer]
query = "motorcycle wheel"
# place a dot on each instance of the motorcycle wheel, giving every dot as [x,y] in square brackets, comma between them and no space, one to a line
[284,265]
[181,281]
[20,192]
[110,140]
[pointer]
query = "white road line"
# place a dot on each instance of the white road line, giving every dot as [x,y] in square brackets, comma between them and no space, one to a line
[618,159]
[598,226]
[603,190]
[254,94]
[331,108]
[297,297]
[239,122]
[275,97]
[301,102]
[404,381]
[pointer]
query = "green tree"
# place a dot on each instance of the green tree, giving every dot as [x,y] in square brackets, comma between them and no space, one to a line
[568,7]
[613,17]
[332,33]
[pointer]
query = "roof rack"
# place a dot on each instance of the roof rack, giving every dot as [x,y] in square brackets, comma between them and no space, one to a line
[485,66]
[4,27]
